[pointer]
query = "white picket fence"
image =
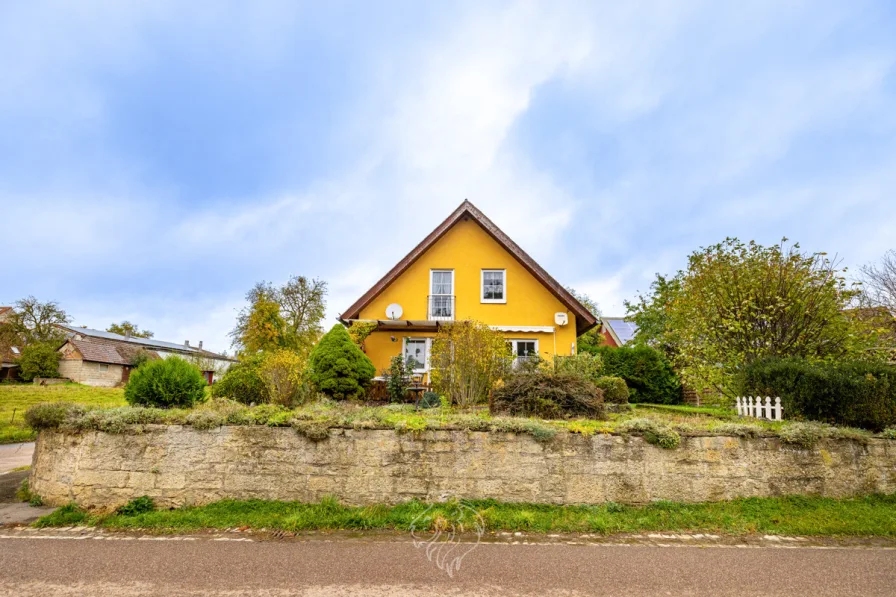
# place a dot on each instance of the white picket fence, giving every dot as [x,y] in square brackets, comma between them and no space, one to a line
[747,406]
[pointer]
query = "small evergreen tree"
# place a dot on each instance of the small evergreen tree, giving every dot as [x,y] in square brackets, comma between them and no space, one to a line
[338,367]
[166,383]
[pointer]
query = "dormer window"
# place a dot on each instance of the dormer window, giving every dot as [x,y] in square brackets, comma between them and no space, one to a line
[494,286]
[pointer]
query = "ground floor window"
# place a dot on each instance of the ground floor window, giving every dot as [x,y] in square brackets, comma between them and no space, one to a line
[416,354]
[523,350]
[103,367]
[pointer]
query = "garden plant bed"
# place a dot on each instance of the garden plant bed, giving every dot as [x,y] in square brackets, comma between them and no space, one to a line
[661,425]
[869,516]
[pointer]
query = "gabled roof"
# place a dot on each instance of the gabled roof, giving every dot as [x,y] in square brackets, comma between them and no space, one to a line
[113,352]
[584,318]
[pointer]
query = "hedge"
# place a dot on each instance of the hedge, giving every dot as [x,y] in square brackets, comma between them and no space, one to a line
[855,393]
[647,373]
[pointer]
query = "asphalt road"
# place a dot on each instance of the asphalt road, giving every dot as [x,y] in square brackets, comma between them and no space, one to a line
[175,566]
[15,455]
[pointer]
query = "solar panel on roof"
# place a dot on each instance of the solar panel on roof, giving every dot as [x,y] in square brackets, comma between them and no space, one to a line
[143,341]
[624,330]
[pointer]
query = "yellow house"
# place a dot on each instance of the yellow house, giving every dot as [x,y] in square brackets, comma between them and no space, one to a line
[467,268]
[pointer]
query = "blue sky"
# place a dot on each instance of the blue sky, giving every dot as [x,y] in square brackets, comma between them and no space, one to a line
[159,158]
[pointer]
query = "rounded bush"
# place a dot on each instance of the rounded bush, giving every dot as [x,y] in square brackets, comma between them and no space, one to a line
[338,367]
[242,382]
[166,383]
[615,389]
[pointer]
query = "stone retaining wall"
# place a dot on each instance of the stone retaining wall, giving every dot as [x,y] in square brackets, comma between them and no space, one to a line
[178,465]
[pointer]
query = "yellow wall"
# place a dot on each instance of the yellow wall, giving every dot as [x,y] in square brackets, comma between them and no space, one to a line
[468,249]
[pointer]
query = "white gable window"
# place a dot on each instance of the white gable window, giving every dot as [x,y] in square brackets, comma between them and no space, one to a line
[494,286]
[441,295]
[416,354]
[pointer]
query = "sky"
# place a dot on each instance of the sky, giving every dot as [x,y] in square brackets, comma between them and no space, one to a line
[157,159]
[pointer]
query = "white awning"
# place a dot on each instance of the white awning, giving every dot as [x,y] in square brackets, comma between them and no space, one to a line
[523,328]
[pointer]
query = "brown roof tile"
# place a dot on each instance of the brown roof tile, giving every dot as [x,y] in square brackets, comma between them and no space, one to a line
[99,350]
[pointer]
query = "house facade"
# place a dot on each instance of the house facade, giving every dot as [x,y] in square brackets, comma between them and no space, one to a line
[468,269]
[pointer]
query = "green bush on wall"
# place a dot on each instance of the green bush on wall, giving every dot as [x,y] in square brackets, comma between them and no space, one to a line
[338,367]
[614,388]
[242,382]
[854,393]
[647,373]
[166,383]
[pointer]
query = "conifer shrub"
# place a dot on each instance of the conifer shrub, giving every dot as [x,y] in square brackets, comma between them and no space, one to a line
[166,383]
[338,367]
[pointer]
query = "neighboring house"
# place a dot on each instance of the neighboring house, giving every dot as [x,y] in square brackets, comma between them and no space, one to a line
[8,355]
[99,358]
[467,268]
[617,330]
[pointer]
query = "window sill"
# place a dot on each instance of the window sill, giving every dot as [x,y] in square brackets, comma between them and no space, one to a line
[493,301]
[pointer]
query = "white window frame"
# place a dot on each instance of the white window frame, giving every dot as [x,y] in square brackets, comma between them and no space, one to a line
[450,293]
[103,367]
[503,273]
[428,347]
[513,345]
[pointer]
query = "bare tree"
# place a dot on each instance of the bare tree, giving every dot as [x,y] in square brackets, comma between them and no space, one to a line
[33,321]
[879,282]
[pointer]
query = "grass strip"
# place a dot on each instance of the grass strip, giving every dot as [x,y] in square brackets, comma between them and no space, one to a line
[808,516]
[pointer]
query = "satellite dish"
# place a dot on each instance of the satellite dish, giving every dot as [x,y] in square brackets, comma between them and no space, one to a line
[393,311]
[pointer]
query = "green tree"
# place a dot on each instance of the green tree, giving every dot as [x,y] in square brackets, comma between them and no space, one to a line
[739,302]
[33,322]
[338,367]
[287,316]
[126,327]
[39,360]
[263,327]
[166,383]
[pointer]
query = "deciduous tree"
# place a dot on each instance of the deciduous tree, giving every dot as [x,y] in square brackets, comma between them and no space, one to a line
[34,322]
[126,327]
[738,302]
[288,316]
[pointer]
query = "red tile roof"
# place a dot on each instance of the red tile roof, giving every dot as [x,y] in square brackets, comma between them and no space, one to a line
[99,350]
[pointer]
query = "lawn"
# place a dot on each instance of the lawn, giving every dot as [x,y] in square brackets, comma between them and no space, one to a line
[808,516]
[15,399]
